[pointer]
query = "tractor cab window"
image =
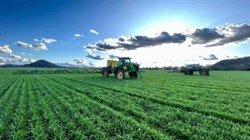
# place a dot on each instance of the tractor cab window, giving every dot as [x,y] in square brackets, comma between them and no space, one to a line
[127,61]
[122,62]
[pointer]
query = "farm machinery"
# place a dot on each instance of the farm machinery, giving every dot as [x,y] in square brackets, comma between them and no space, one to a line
[190,69]
[120,67]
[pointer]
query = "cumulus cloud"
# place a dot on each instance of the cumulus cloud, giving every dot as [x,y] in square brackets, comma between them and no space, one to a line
[96,57]
[15,60]
[233,33]
[134,42]
[15,56]
[8,60]
[111,56]
[45,40]
[94,32]
[91,64]
[48,40]
[22,44]
[78,35]
[205,35]
[5,49]
[37,46]
[78,62]
[211,57]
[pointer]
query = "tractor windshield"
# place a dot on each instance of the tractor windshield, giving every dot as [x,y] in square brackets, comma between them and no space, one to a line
[127,61]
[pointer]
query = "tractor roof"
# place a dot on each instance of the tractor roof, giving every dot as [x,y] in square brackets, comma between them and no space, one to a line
[124,58]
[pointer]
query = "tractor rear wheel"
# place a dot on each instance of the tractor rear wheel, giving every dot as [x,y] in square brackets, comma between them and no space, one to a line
[105,73]
[204,73]
[120,74]
[133,75]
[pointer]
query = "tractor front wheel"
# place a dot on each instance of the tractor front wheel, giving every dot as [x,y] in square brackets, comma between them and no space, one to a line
[204,73]
[105,73]
[120,74]
[133,75]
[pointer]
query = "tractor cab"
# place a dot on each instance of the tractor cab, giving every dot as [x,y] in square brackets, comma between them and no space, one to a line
[123,61]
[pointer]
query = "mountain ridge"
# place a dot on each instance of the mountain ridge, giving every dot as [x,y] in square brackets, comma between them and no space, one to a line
[42,64]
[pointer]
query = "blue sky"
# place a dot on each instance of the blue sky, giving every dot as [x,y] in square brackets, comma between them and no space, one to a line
[152,32]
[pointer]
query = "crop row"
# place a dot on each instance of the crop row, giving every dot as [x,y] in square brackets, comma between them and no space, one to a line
[68,107]
[176,121]
[38,110]
[113,123]
[237,113]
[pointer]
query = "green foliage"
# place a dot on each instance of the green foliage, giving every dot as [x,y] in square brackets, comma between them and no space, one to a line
[161,105]
[233,64]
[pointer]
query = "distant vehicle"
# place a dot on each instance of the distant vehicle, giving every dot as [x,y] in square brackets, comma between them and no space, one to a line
[190,69]
[120,67]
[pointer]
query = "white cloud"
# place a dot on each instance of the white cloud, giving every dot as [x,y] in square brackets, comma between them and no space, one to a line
[49,40]
[32,60]
[15,56]
[2,59]
[94,32]
[5,49]
[78,35]
[8,60]
[23,53]
[45,40]
[22,44]
[16,61]
[80,61]
[89,51]
[25,60]
[91,64]
[37,46]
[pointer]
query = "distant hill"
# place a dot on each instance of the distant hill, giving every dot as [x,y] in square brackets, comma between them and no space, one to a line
[233,64]
[42,64]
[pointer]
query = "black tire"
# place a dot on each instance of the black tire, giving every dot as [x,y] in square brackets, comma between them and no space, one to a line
[120,74]
[133,75]
[204,73]
[189,72]
[105,73]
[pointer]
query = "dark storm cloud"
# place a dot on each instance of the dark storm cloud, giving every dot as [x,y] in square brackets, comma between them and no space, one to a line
[121,39]
[211,57]
[233,33]
[164,37]
[139,41]
[96,57]
[205,35]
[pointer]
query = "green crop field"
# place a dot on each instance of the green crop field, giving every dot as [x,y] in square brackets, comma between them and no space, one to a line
[160,105]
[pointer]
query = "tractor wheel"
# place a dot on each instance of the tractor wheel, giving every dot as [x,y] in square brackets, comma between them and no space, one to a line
[188,72]
[120,74]
[105,73]
[204,73]
[133,75]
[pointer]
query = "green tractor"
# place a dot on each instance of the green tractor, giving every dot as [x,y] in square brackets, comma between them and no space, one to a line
[190,69]
[120,67]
